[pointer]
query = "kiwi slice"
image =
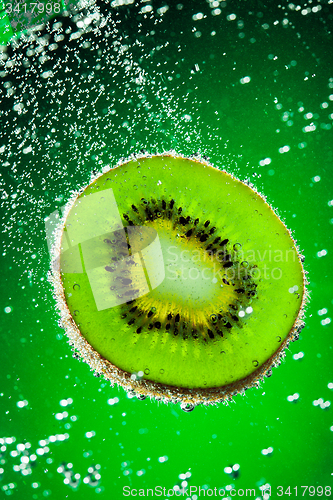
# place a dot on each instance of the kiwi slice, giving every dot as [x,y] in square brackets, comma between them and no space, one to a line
[177,281]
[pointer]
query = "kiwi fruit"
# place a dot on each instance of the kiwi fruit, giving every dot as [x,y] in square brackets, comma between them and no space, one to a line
[177,281]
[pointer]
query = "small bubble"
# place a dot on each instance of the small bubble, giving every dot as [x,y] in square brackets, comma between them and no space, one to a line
[135,187]
[213,318]
[237,247]
[147,371]
[245,263]
[8,309]
[278,339]
[222,352]
[161,371]
[187,407]
[76,312]
[76,287]
[322,253]
[255,363]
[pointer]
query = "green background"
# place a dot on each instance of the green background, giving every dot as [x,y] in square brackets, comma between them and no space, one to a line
[138,77]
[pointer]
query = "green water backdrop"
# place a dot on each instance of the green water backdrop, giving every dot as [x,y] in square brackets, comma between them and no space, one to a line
[248,84]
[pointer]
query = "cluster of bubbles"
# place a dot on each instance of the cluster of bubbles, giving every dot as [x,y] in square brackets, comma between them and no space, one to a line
[26,458]
[324,405]
[73,479]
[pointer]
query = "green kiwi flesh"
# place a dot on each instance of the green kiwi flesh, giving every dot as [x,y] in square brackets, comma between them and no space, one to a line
[190,287]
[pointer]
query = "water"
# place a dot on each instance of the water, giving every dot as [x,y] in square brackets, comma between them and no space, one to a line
[248,87]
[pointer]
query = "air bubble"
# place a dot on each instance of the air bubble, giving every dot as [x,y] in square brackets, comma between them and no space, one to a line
[161,371]
[76,287]
[245,263]
[187,407]
[237,247]
[278,339]
[255,363]
[147,371]
[213,318]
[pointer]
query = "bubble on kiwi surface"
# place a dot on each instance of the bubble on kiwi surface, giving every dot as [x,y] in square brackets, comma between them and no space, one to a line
[188,285]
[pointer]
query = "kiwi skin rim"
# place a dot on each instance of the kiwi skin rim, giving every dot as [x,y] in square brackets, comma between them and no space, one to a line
[146,388]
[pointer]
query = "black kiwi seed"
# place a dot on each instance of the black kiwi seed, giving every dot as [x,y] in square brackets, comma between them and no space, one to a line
[189,233]
[172,202]
[206,224]
[224,242]
[210,333]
